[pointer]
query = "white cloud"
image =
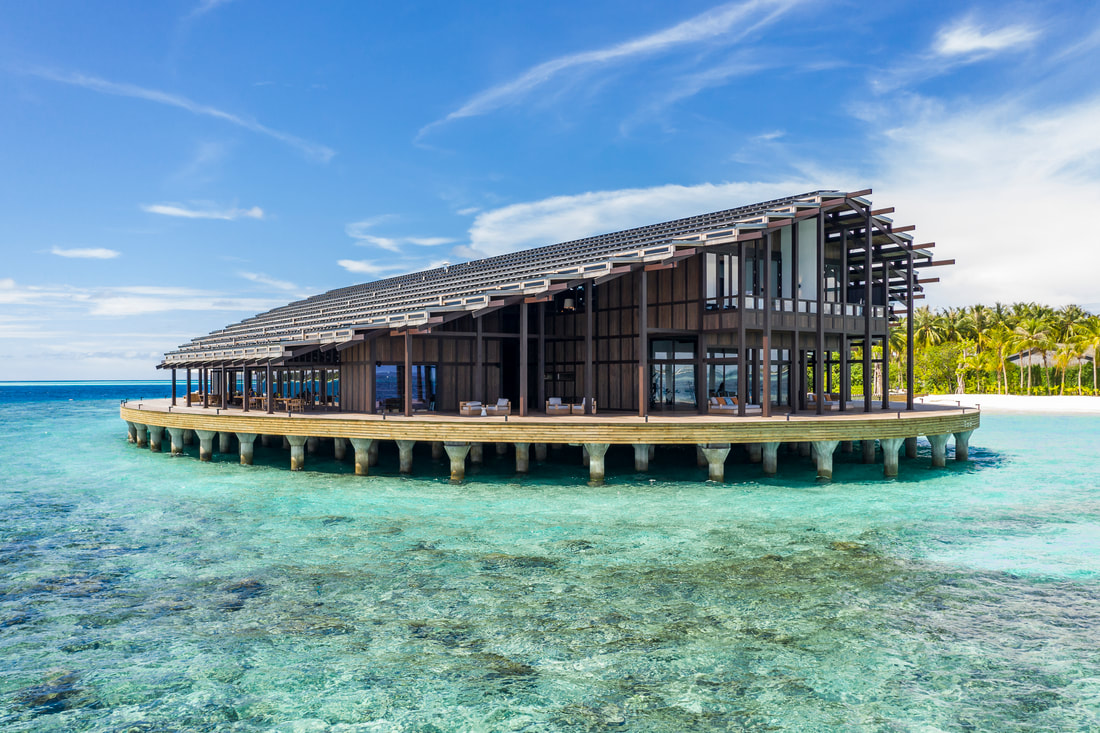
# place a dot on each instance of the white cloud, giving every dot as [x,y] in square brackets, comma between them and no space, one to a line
[366,267]
[468,211]
[264,279]
[727,23]
[206,6]
[126,300]
[312,150]
[358,230]
[965,37]
[563,218]
[89,253]
[205,213]
[1004,189]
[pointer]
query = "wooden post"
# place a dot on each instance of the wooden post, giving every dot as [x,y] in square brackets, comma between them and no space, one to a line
[766,356]
[173,386]
[868,263]
[408,374]
[909,381]
[886,334]
[542,355]
[247,390]
[845,376]
[204,386]
[269,385]
[479,359]
[523,365]
[819,347]
[188,386]
[372,378]
[589,369]
[794,389]
[742,362]
[643,343]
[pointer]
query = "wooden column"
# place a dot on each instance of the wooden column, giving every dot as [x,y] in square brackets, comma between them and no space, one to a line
[701,373]
[795,391]
[845,376]
[324,388]
[173,386]
[643,342]
[742,362]
[479,362]
[523,365]
[372,379]
[408,374]
[868,265]
[542,355]
[589,367]
[269,386]
[819,347]
[204,386]
[247,389]
[886,334]
[766,356]
[909,380]
[188,386]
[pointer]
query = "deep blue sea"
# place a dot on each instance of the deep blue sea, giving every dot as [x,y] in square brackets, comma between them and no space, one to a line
[141,592]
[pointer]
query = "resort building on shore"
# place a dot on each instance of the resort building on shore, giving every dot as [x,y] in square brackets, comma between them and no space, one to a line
[713,327]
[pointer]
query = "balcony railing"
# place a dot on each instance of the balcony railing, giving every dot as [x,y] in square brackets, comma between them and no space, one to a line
[790,305]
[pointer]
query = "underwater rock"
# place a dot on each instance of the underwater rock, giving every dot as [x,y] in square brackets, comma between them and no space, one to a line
[241,591]
[500,561]
[59,692]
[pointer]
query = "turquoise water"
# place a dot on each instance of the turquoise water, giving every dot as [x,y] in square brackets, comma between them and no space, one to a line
[141,592]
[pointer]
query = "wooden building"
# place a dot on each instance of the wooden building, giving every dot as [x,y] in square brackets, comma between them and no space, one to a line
[756,303]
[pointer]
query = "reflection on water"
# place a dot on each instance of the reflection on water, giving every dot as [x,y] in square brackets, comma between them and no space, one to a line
[142,592]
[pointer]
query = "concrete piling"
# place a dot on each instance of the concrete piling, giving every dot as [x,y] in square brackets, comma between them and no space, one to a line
[457,452]
[715,455]
[176,436]
[265,440]
[297,451]
[755,451]
[962,445]
[372,452]
[867,445]
[141,435]
[595,453]
[523,457]
[502,448]
[312,444]
[641,457]
[475,453]
[225,442]
[769,457]
[188,437]
[823,457]
[156,437]
[246,442]
[363,448]
[846,446]
[911,447]
[131,432]
[437,450]
[405,455]
[890,448]
[206,444]
[540,452]
[340,448]
[939,449]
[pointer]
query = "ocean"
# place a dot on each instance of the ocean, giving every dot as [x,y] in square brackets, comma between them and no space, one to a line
[141,592]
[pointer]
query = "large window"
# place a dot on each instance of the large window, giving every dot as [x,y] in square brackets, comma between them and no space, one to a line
[672,374]
[390,386]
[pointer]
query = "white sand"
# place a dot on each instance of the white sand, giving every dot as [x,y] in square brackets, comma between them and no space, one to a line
[1008,404]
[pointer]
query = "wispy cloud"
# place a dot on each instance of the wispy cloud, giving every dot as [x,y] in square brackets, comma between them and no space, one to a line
[184,212]
[89,253]
[962,42]
[313,150]
[986,182]
[562,218]
[127,300]
[206,6]
[966,37]
[358,231]
[367,267]
[262,279]
[727,23]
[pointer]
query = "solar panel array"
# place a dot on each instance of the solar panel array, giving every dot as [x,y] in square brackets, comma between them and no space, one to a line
[334,316]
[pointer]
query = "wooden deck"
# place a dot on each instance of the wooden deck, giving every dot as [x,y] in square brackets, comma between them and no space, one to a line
[610,428]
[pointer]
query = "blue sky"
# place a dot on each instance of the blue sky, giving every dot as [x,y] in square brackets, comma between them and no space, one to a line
[168,168]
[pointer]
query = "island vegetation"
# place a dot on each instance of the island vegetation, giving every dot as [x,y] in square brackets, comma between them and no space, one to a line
[1023,348]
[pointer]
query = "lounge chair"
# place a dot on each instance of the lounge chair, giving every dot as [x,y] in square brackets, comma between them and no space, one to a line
[502,407]
[722,406]
[473,408]
[578,409]
[555,407]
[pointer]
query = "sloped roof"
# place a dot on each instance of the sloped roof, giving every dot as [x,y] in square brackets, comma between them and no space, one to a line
[413,299]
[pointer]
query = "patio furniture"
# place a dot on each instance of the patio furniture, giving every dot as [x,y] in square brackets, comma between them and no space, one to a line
[578,408]
[502,407]
[472,408]
[555,407]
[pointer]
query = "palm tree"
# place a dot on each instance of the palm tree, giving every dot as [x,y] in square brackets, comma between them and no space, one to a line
[1063,357]
[1090,341]
[1032,334]
[928,328]
[1000,341]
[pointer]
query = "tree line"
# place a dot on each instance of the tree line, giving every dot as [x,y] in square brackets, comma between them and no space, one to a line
[1022,348]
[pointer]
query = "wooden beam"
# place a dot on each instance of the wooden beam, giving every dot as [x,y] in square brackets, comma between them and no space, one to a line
[900,230]
[854,194]
[926,280]
[880,212]
[934,263]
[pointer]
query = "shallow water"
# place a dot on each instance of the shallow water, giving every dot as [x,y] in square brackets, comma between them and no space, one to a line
[142,592]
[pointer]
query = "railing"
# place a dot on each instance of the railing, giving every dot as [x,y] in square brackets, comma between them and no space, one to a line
[790,305]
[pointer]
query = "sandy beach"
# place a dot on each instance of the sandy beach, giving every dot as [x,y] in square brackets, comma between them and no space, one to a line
[1010,404]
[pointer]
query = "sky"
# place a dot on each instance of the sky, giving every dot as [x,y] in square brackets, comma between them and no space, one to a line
[170,168]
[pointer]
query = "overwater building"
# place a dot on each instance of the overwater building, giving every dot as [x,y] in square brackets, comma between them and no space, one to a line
[709,327]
